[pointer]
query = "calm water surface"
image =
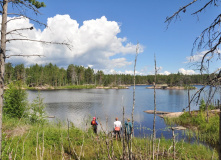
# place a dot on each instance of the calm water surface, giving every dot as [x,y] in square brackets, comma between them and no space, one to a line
[79,106]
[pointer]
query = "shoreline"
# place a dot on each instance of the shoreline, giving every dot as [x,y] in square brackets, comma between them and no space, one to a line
[74,87]
[171,88]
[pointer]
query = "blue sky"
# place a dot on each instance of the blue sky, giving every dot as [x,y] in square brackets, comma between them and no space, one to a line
[123,23]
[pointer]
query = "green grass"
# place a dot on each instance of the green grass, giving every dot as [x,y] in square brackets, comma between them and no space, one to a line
[189,87]
[52,141]
[206,131]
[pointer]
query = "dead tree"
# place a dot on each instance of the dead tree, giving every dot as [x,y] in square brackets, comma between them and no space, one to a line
[132,115]
[208,41]
[155,108]
[18,4]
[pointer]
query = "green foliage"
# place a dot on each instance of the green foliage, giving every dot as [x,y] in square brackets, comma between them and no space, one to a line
[15,100]
[52,75]
[37,4]
[202,105]
[206,131]
[8,73]
[76,87]
[36,110]
[52,141]
[189,87]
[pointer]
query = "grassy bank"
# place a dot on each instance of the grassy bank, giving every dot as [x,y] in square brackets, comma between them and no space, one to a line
[22,140]
[197,123]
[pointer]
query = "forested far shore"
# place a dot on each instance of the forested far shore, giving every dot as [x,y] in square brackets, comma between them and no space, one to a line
[52,75]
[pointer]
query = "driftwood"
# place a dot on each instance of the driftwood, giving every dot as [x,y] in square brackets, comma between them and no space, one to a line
[51,116]
[157,112]
[163,114]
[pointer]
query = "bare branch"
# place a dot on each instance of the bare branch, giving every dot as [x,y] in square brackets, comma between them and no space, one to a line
[212,82]
[45,42]
[208,52]
[21,15]
[19,34]
[169,19]
[15,30]
[27,5]
[15,18]
[23,55]
[201,9]
[210,37]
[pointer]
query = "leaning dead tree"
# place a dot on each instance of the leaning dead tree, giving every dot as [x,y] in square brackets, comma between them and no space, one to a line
[19,6]
[208,43]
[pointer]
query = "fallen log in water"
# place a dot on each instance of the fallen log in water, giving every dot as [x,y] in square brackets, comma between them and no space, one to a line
[51,116]
[157,112]
[163,114]
[178,128]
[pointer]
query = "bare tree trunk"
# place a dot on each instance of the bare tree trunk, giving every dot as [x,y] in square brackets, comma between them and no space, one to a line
[219,130]
[2,64]
[173,144]
[154,120]
[123,134]
[189,99]
[132,115]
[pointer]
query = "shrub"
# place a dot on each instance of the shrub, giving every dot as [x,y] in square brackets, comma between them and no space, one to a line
[15,100]
[36,110]
[202,105]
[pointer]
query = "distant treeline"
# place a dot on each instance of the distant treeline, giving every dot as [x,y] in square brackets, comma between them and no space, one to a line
[52,75]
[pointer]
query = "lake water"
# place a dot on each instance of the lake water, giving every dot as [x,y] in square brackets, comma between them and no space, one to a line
[79,106]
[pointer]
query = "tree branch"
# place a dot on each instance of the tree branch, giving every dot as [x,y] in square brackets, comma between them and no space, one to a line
[15,30]
[26,4]
[27,18]
[201,9]
[210,51]
[40,41]
[169,19]
[23,55]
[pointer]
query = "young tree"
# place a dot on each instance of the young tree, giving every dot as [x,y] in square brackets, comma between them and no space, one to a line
[8,73]
[15,100]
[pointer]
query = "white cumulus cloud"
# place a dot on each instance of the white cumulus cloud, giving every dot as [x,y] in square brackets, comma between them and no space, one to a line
[93,44]
[186,72]
[165,73]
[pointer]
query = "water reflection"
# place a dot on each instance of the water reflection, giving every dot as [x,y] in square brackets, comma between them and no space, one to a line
[79,106]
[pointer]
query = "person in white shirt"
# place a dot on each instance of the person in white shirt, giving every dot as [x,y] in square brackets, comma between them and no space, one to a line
[117,127]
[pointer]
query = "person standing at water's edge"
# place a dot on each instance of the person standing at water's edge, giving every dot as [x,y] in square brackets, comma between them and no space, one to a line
[94,124]
[128,127]
[117,127]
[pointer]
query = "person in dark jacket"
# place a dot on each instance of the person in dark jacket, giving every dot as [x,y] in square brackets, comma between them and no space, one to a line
[94,125]
[128,127]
